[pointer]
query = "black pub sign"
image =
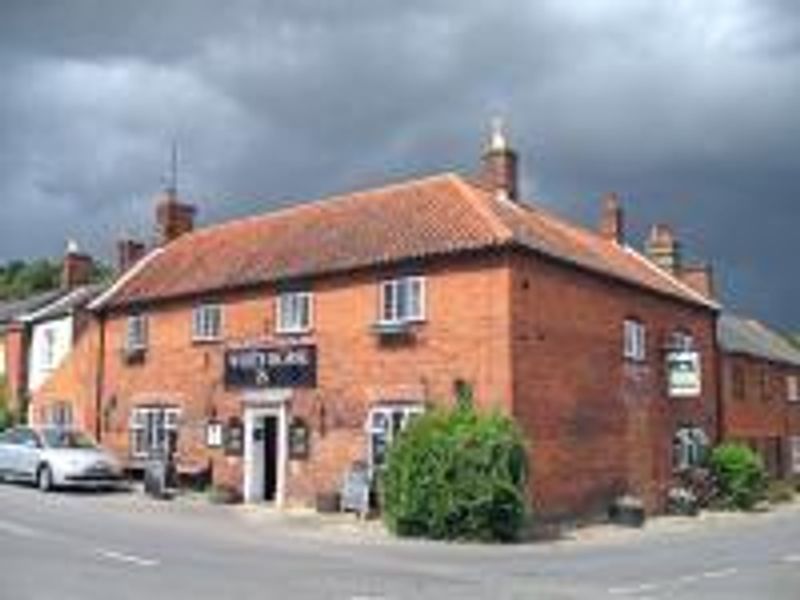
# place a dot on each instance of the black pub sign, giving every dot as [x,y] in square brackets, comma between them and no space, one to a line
[271,367]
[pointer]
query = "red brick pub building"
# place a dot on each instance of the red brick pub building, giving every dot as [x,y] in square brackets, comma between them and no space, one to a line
[280,348]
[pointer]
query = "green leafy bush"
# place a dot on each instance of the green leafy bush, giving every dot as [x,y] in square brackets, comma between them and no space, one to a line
[740,476]
[456,474]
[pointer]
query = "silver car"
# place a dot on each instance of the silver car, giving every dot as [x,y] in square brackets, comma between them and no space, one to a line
[56,457]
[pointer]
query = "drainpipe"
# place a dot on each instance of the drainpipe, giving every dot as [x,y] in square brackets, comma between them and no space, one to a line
[100,377]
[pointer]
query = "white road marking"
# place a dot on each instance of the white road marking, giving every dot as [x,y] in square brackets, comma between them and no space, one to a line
[721,573]
[127,558]
[20,530]
[791,558]
[633,589]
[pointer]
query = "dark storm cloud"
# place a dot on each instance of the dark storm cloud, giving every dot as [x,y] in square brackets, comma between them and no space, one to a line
[686,108]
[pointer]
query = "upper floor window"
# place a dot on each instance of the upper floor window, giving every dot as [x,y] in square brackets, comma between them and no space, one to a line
[49,341]
[136,334]
[207,322]
[403,300]
[635,346]
[294,312]
[792,388]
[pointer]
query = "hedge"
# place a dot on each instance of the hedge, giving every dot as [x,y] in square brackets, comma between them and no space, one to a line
[456,474]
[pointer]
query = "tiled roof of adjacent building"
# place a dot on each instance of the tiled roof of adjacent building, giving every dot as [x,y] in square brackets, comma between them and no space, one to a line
[70,300]
[434,216]
[747,336]
[11,310]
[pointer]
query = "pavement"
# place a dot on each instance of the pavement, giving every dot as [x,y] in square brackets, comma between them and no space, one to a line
[70,546]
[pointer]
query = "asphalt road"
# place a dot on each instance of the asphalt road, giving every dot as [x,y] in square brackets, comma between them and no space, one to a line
[117,547]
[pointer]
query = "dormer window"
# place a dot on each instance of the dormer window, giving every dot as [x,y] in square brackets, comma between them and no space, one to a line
[635,344]
[207,323]
[402,300]
[294,312]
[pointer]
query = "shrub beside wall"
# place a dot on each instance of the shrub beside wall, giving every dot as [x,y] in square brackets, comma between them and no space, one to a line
[456,474]
[740,476]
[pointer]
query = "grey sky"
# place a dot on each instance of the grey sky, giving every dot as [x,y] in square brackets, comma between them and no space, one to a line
[688,109]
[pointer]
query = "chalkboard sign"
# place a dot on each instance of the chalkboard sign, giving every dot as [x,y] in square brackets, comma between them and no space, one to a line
[234,437]
[271,367]
[356,489]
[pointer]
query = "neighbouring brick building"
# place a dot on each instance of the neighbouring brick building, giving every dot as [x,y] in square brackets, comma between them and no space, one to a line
[761,392]
[37,332]
[280,348]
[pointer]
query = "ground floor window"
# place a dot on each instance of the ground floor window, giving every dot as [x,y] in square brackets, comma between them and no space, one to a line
[384,423]
[689,448]
[794,441]
[153,430]
[59,415]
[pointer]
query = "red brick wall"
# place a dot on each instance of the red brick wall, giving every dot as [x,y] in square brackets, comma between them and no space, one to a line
[600,426]
[16,365]
[757,413]
[465,336]
[75,380]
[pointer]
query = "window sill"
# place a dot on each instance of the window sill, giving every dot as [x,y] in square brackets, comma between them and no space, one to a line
[293,332]
[203,341]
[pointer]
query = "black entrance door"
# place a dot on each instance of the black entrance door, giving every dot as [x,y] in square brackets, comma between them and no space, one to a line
[270,457]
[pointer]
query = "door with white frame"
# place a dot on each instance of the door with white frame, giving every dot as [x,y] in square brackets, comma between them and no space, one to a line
[265,453]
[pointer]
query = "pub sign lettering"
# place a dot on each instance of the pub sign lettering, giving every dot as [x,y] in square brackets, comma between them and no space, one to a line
[271,367]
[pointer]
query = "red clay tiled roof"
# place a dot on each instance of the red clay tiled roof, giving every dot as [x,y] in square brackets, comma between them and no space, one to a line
[438,215]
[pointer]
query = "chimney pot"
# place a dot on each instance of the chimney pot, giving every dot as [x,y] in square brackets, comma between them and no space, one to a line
[499,170]
[664,249]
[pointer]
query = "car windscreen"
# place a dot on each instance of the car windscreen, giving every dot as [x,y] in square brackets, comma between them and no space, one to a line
[64,438]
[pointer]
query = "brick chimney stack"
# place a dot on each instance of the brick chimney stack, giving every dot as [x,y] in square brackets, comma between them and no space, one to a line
[663,249]
[129,251]
[499,172]
[699,277]
[173,218]
[77,267]
[612,219]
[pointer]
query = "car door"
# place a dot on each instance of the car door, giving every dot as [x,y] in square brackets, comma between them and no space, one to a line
[7,449]
[28,451]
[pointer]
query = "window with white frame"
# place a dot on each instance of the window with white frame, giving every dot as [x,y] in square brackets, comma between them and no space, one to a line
[384,424]
[689,448]
[792,388]
[294,312]
[635,340]
[207,322]
[60,415]
[403,300]
[49,341]
[153,430]
[136,334]
[794,442]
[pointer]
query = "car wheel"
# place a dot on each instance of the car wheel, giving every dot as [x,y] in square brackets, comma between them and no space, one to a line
[44,480]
